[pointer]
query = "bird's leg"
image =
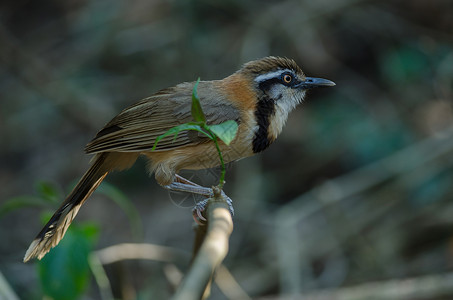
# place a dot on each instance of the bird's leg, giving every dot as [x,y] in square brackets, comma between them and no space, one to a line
[182,184]
[181,179]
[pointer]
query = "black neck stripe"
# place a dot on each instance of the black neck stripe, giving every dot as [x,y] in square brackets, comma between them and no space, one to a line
[264,110]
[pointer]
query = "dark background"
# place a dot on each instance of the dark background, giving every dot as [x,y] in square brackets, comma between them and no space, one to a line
[355,195]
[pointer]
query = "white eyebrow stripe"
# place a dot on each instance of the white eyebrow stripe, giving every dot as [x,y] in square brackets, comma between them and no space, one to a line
[268,76]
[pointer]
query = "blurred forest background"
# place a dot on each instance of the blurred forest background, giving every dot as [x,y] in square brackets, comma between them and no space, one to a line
[353,201]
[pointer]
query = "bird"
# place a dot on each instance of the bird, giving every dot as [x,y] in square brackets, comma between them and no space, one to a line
[258,97]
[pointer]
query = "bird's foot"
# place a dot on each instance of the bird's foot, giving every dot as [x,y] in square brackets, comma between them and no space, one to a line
[183,185]
[200,207]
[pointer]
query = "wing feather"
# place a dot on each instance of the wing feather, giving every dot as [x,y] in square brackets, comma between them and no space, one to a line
[137,127]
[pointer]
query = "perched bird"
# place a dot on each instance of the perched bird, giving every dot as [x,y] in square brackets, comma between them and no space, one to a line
[258,97]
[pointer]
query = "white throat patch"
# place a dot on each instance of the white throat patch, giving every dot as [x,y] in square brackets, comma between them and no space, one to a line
[282,108]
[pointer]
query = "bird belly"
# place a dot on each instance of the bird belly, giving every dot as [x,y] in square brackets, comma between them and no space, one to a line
[166,164]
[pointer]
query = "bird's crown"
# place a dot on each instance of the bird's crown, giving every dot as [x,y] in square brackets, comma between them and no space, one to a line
[271,64]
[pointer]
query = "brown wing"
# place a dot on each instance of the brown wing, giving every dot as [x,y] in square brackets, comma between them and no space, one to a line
[136,128]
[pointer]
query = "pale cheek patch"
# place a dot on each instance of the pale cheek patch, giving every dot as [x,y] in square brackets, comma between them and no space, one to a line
[290,99]
[297,97]
[277,122]
[282,110]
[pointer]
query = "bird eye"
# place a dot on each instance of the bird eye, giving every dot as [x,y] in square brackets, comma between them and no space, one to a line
[287,78]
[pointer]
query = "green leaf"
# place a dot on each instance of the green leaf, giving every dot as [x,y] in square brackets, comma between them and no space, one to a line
[21,202]
[177,129]
[197,112]
[48,191]
[225,131]
[64,272]
[45,216]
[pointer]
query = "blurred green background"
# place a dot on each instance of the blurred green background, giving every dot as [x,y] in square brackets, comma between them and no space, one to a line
[353,200]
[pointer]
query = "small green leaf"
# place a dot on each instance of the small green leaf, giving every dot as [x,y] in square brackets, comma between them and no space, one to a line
[21,202]
[47,191]
[177,129]
[225,131]
[197,112]
[45,216]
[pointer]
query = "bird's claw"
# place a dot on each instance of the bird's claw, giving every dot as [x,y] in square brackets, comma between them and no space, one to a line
[200,208]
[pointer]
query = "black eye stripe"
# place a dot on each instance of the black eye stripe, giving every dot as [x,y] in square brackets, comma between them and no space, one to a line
[265,85]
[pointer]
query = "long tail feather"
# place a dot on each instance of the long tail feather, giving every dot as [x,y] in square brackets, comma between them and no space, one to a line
[55,229]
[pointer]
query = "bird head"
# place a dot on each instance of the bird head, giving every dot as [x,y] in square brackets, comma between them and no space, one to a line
[279,85]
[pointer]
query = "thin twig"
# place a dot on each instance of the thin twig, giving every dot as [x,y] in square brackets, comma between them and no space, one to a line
[100,276]
[126,251]
[6,292]
[228,285]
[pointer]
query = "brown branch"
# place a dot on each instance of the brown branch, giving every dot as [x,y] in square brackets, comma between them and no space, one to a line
[128,251]
[210,249]
[228,284]
[196,284]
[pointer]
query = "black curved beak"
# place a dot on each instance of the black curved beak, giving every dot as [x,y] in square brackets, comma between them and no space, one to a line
[312,82]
